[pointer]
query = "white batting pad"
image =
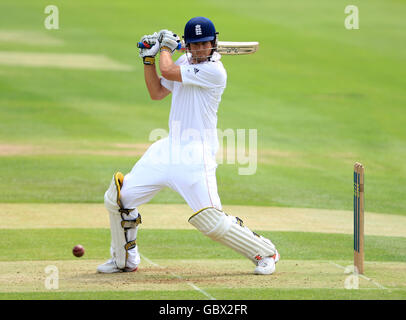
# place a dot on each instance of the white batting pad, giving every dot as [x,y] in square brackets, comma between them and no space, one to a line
[121,241]
[231,232]
[123,226]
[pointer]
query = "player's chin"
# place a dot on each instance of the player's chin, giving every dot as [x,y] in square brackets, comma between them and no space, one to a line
[200,59]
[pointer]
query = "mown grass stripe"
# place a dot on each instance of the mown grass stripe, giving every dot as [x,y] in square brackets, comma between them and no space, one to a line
[223,294]
[56,244]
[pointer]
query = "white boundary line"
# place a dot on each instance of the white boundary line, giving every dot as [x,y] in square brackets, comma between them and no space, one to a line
[361,276]
[191,284]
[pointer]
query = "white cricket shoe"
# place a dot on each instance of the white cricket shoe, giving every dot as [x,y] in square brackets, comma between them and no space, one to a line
[111,267]
[267,265]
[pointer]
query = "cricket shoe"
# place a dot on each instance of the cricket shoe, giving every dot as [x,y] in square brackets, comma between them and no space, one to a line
[111,267]
[267,265]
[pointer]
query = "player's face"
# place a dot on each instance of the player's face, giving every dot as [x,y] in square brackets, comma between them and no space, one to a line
[200,51]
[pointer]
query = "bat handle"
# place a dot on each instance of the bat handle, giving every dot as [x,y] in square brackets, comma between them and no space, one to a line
[144,45]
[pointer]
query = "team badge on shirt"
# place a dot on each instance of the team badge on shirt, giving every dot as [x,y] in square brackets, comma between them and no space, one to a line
[196,70]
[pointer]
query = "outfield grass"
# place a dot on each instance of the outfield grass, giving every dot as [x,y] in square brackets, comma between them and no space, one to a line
[259,294]
[45,179]
[321,98]
[190,244]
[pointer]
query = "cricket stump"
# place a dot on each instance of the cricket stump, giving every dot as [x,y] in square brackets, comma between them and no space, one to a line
[359,218]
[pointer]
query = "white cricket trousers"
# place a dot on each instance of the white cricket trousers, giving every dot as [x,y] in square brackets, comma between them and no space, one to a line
[189,169]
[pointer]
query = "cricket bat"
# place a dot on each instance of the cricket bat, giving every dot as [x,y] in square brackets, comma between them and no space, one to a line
[223,47]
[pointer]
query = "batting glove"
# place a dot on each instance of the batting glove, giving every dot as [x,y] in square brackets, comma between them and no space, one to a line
[169,41]
[148,54]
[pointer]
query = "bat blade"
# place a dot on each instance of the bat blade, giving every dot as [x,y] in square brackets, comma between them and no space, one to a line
[237,48]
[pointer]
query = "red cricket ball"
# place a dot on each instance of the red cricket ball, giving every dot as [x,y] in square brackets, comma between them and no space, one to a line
[78,251]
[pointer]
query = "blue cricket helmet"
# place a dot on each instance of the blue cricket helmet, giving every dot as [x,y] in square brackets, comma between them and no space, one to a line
[199,29]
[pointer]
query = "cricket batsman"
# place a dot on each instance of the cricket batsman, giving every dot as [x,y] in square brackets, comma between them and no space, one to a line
[185,161]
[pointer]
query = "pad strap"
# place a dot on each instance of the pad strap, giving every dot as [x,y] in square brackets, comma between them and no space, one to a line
[130,245]
[130,224]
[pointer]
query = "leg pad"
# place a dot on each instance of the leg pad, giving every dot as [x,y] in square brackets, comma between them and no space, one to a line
[231,232]
[123,222]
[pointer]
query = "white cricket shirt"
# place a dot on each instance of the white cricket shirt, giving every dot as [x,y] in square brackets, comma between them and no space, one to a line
[196,99]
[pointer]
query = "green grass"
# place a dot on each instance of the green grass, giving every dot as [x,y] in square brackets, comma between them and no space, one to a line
[307,270]
[321,98]
[84,178]
[324,94]
[223,294]
[189,244]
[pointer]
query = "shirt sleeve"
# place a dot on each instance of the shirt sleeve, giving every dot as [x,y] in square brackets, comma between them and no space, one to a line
[168,84]
[208,75]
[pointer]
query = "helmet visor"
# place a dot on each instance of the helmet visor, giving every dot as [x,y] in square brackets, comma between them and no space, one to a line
[198,54]
[211,38]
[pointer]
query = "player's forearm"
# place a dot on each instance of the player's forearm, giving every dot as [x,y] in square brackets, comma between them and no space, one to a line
[153,82]
[165,62]
[168,68]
